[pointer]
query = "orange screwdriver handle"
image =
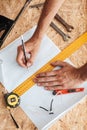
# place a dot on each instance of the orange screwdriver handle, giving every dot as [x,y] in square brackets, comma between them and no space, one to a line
[67,91]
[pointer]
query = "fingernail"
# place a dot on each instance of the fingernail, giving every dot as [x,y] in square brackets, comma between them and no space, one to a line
[52,63]
[35,80]
[37,75]
[38,84]
[46,88]
[28,64]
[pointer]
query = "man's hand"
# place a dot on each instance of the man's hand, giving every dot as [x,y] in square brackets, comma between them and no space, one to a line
[66,77]
[31,47]
[49,10]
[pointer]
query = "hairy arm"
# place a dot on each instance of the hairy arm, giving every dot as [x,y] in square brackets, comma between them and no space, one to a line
[32,45]
[49,11]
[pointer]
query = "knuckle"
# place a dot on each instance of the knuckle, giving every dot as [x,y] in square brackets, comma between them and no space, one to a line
[61,80]
[59,71]
[57,77]
[42,79]
[53,83]
[54,72]
[64,85]
[55,88]
[45,73]
[48,84]
[46,79]
[57,82]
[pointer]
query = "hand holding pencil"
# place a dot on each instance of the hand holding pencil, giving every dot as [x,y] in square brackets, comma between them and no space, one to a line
[27,51]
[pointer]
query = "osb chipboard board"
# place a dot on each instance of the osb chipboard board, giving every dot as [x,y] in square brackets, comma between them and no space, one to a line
[75,13]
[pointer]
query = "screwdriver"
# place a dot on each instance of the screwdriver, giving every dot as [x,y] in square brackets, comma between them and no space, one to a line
[67,91]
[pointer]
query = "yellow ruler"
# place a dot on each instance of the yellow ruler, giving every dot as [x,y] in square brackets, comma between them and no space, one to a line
[27,84]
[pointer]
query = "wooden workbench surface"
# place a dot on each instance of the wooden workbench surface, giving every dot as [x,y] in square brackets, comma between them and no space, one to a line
[75,13]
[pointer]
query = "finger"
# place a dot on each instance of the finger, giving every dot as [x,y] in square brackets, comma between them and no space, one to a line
[54,87]
[68,86]
[30,60]
[46,79]
[33,54]
[49,84]
[21,62]
[59,63]
[20,57]
[29,63]
[49,73]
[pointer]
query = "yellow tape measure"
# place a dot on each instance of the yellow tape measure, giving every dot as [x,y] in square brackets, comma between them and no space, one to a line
[12,100]
[27,84]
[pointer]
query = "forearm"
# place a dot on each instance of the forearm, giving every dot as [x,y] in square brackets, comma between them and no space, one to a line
[83,72]
[49,10]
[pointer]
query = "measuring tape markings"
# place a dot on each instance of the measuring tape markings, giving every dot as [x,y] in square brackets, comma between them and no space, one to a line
[75,45]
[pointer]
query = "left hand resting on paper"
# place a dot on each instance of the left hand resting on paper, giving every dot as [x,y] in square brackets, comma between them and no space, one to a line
[66,77]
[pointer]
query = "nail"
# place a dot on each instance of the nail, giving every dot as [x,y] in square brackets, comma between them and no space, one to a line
[54,62]
[38,84]
[29,64]
[37,75]
[35,80]
[46,88]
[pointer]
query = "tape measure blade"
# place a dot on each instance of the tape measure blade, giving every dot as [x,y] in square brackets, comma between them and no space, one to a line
[27,84]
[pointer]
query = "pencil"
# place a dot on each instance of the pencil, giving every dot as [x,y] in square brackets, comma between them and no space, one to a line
[24,52]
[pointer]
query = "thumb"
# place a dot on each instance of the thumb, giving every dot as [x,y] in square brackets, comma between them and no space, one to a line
[59,63]
[31,59]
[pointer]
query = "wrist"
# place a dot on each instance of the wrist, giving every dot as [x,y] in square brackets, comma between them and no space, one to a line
[36,39]
[38,35]
[33,41]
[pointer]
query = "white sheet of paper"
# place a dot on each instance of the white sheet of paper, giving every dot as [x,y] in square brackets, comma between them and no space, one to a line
[12,75]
